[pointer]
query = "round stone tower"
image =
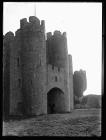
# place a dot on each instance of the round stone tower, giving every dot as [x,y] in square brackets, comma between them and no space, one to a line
[57,55]
[7,47]
[57,49]
[33,65]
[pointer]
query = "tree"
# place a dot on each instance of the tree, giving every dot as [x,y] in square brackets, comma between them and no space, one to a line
[80,83]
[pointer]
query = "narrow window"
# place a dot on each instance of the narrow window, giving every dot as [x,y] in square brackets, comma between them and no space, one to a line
[18,61]
[56,78]
[19,83]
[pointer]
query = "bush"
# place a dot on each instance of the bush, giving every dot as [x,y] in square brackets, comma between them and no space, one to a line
[77,106]
[91,101]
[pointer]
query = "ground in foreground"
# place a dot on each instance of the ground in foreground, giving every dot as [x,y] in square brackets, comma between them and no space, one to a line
[81,122]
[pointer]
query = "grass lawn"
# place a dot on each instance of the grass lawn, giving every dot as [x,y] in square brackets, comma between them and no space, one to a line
[80,122]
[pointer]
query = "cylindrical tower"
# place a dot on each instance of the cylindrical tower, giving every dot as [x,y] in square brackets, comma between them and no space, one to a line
[57,55]
[71,82]
[57,49]
[33,65]
[7,44]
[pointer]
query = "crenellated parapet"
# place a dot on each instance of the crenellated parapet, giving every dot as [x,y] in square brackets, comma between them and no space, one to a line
[64,34]
[33,24]
[70,64]
[55,34]
[49,35]
[7,45]
[23,23]
[8,40]
[8,36]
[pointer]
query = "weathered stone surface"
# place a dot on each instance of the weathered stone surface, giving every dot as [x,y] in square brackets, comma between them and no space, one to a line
[33,66]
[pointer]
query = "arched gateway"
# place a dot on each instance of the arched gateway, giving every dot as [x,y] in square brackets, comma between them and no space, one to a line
[55,101]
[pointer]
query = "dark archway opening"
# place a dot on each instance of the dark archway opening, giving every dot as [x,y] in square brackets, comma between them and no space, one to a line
[55,101]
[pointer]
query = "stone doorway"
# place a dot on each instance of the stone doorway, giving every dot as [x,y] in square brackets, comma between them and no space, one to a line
[55,101]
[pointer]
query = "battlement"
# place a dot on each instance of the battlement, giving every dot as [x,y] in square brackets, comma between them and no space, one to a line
[56,33]
[70,56]
[33,21]
[64,34]
[55,69]
[23,23]
[49,35]
[42,23]
[82,71]
[9,36]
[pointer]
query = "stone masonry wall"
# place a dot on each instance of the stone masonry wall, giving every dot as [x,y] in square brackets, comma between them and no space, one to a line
[16,81]
[7,40]
[33,58]
[57,56]
[32,66]
[71,82]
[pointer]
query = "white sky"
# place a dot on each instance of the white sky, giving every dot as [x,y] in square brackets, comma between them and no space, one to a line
[81,21]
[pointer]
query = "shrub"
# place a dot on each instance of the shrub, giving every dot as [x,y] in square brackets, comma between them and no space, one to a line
[91,101]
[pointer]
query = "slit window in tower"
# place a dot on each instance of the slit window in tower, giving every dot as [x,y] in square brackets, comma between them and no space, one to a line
[56,78]
[19,83]
[18,61]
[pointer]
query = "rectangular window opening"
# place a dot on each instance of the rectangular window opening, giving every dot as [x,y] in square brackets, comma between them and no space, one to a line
[18,63]
[56,78]
[19,83]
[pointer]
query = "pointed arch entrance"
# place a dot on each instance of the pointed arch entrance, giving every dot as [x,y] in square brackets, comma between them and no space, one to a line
[55,101]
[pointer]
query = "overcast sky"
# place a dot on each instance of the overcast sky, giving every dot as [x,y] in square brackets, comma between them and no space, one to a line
[81,21]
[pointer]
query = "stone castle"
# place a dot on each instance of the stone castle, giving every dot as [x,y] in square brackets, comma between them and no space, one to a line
[37,71]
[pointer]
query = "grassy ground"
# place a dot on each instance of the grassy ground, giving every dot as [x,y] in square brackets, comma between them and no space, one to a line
[77,123]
